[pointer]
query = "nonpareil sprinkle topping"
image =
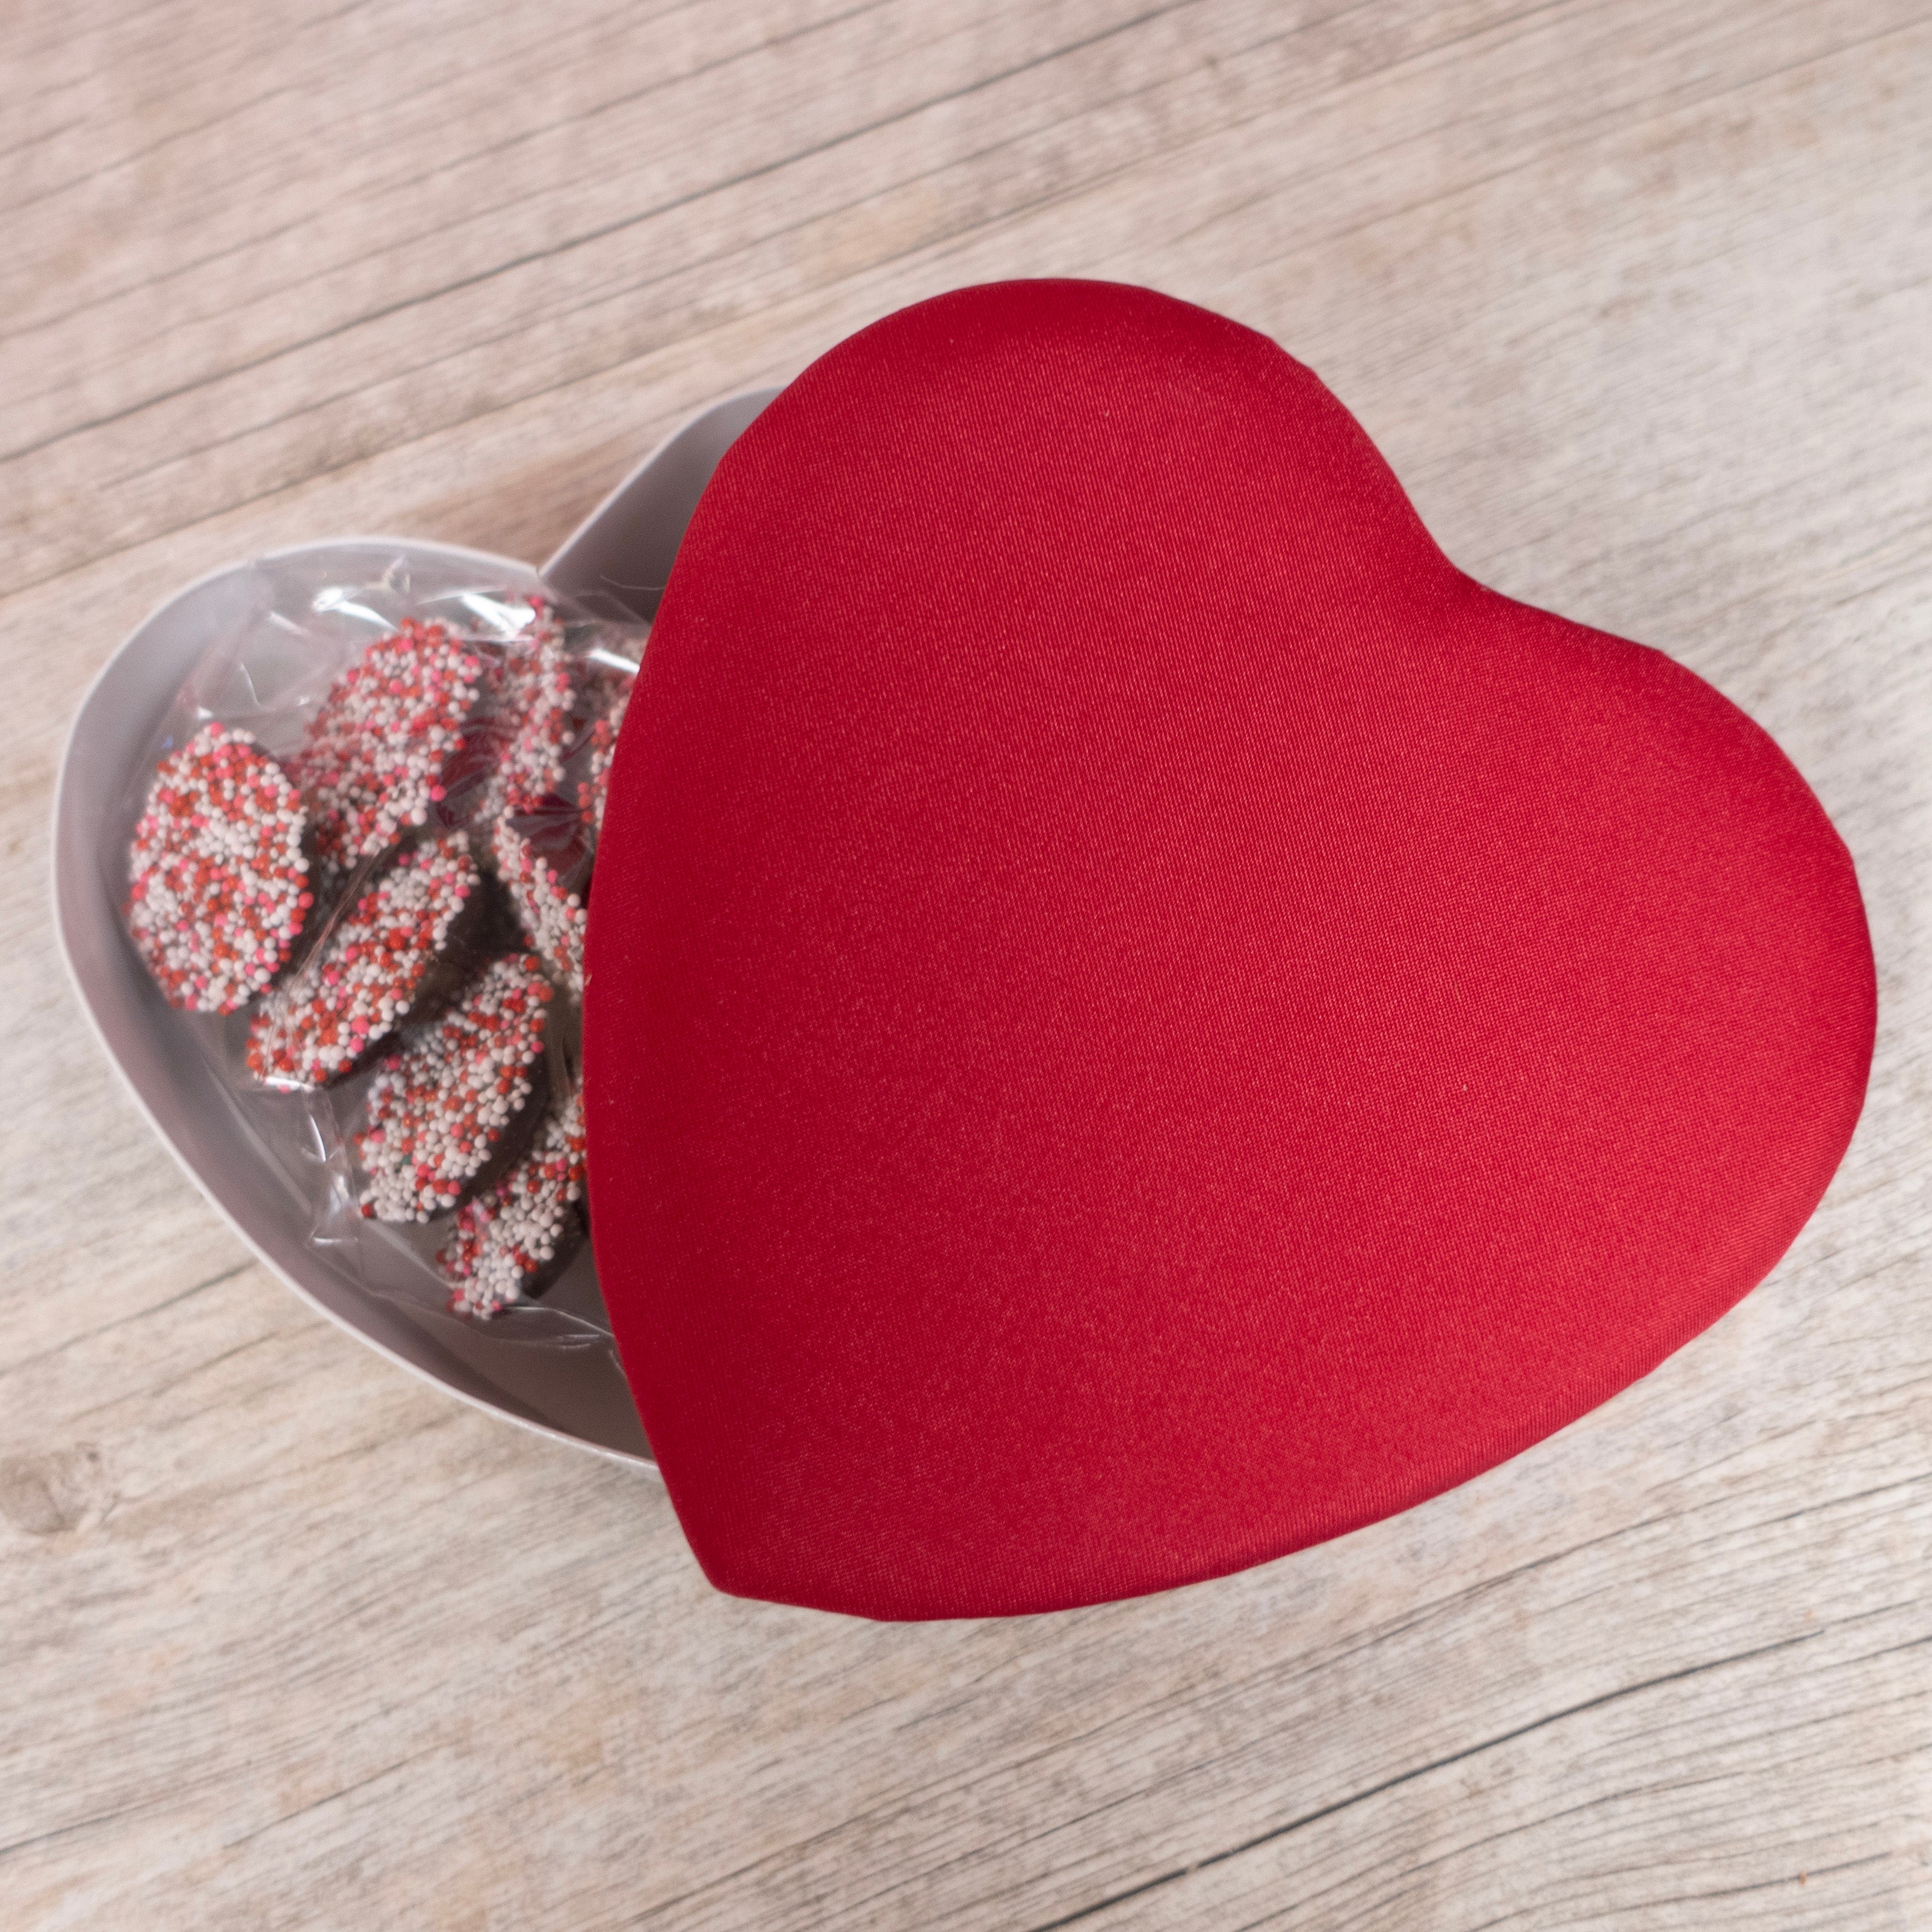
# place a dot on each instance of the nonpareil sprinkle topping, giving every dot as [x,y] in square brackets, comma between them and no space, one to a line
[218,886]
[437,1112]
[550,906]
[535,693]
[373,760]
[365,976]
[513,1233]
[591,794]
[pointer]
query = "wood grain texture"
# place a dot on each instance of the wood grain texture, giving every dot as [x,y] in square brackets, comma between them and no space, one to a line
[1636,296]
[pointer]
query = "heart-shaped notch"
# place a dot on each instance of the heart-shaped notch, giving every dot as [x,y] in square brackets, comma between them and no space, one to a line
[1140,1019]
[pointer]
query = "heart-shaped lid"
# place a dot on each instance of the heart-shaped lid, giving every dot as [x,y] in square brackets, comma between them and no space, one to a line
[1139,1018]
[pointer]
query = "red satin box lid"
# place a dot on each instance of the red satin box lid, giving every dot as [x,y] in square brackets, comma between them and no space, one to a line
[1139,1018]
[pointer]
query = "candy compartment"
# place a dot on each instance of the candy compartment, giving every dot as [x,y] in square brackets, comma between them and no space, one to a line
[353,854]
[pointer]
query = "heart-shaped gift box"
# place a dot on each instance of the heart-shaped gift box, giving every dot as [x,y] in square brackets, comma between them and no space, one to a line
[1137,1018]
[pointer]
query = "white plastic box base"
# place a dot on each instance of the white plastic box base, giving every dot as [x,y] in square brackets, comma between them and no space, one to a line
[618,559]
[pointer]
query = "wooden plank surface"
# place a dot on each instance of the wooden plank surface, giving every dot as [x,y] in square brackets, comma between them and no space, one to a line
[1636,295]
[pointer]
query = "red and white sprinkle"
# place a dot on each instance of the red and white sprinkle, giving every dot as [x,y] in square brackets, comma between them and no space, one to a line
[591,794]
[534,693]
[364,977]
[436,1113]
[550,906]
[373,761]
[217,888]
[512,1234]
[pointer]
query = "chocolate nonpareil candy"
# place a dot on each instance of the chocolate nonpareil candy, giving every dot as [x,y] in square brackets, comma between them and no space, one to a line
[511,1239]
[218,879]
[440,1111]
[387,957]
[373,761]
